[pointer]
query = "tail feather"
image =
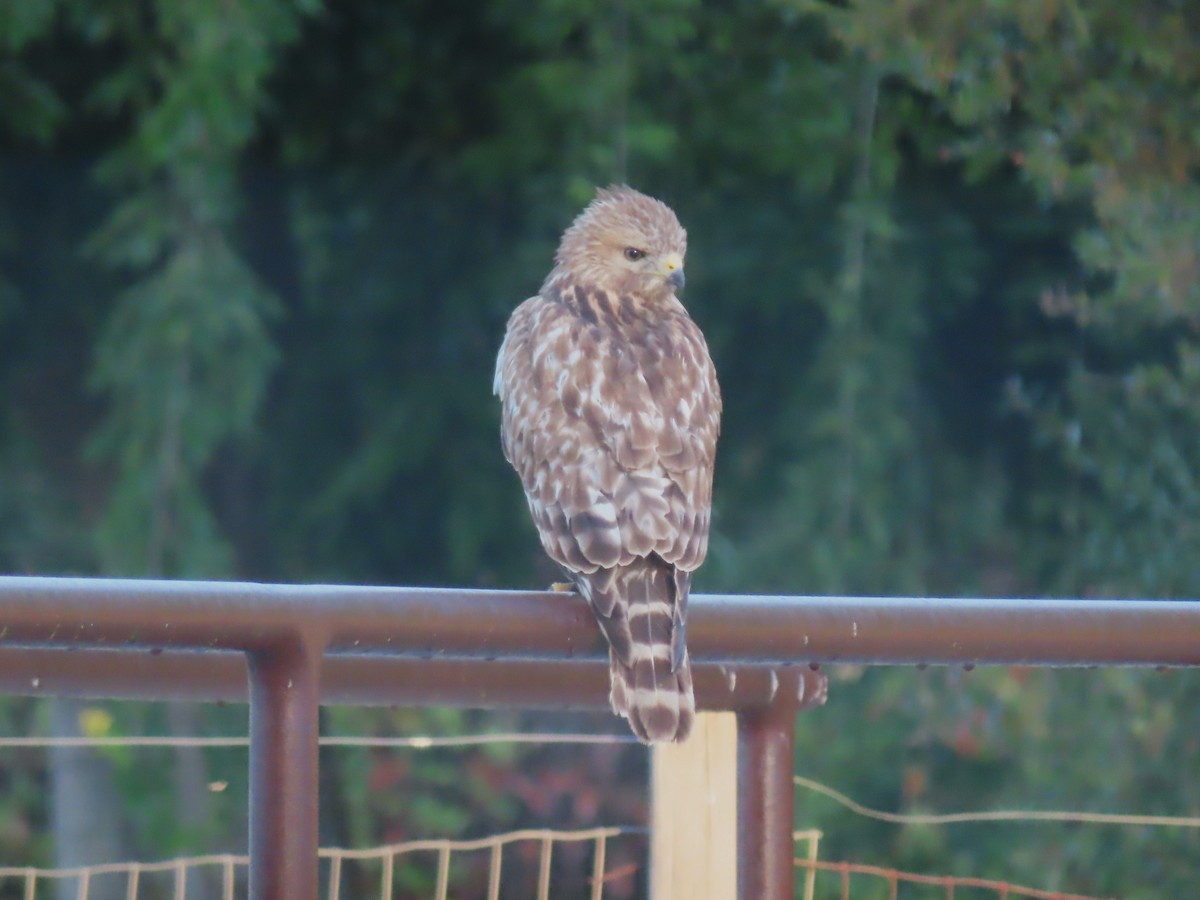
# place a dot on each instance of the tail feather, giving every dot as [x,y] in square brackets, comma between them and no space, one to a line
[664,711]
[650,674]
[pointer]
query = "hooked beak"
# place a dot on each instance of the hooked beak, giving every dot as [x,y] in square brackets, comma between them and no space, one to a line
[672,268]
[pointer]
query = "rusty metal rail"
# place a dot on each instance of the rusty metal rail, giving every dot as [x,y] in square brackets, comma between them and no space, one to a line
[296,646]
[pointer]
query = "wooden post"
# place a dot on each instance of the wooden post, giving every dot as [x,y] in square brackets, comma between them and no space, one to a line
[693,850]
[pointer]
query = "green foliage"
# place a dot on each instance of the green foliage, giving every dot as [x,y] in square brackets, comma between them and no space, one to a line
[185,353]
[944,254]
[36,531]
[32,108]
[22,814]
[1095,102]
[185,356]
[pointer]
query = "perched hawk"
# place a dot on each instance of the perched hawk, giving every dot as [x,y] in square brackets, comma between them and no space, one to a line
[610,416]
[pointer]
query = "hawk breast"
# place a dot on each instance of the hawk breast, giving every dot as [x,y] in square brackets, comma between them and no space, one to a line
[610,415]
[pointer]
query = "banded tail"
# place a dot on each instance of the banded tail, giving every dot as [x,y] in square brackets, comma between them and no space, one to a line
[642,610]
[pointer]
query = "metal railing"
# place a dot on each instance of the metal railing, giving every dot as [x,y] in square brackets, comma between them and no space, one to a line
[296,646]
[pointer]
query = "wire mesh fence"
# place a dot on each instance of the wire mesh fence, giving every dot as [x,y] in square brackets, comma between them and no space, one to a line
[450,865]
[523,862]
[142,879]
[821,879]
[179,878]
[826,880]
[546,840]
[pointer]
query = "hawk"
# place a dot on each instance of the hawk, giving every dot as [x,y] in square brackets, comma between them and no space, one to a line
[610,415]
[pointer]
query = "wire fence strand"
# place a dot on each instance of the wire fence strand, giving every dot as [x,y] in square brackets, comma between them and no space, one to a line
[416,742]
[1001,815]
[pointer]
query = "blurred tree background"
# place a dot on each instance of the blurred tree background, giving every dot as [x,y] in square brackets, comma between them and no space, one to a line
[256,257]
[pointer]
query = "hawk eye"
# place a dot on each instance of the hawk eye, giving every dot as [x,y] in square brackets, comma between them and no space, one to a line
[633,254]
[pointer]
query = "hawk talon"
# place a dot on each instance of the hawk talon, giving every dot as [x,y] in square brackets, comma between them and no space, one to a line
[563,587]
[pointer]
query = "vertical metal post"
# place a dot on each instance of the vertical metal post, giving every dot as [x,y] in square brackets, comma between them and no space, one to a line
[766,796]
[284,704]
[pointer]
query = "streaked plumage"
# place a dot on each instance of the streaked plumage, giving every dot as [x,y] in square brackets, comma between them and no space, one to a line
[610,415]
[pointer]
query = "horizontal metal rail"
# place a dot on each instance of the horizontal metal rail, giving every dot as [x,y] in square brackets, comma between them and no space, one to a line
[355,680]
[523,625]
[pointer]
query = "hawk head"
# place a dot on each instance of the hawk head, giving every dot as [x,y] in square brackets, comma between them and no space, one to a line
[624,242]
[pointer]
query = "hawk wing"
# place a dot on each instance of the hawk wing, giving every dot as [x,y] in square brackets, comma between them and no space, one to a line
[612,429]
